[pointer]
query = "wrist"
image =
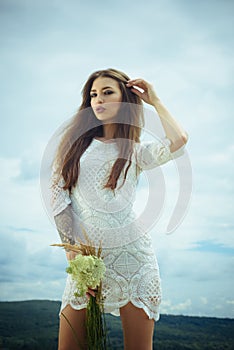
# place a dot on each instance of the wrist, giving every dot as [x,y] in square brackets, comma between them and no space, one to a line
[156,101]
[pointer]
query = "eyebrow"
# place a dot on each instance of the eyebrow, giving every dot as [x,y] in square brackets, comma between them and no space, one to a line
[106,87]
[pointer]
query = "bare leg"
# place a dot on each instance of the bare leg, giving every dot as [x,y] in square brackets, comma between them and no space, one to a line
[137,328]
[67,339]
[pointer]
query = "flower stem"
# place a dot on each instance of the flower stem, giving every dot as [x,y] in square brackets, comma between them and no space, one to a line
[95,325]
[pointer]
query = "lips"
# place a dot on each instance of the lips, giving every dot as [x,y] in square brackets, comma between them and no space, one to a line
[100,109]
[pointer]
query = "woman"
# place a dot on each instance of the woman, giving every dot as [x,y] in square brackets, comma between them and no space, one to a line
[95,175]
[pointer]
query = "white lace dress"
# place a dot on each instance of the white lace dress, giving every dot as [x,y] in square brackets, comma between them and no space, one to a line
[132,273]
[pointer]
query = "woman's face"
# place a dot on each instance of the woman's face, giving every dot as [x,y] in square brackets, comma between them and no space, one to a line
[106,98]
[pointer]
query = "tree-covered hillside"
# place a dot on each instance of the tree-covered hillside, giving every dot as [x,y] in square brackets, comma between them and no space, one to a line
[33,325]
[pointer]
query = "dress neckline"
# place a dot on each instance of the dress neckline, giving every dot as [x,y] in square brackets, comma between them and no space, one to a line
[106,141]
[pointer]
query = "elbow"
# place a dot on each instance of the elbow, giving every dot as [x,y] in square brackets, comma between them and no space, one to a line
[179,142]
[184,137]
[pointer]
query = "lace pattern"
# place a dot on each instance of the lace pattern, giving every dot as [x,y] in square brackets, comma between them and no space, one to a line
[152,154]
[132,269]
[132,275]
[60,198]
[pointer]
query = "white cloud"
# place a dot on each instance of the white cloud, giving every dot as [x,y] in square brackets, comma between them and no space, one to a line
[190,61]
[168,307]
[29,267]
[204,300]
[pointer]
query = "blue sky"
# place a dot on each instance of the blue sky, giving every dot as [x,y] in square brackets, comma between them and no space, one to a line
[185,48]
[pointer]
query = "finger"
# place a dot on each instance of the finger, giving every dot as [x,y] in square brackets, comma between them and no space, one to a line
[92,292]
[138,82]
[140,87]
[137,92]
[71,255]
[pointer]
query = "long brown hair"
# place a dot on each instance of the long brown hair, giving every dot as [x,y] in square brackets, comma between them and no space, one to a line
[85,126]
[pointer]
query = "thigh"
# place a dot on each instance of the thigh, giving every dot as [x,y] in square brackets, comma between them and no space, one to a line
[137,328]
[72,334]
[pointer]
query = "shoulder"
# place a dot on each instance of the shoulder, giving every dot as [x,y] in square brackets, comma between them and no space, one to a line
[150,154]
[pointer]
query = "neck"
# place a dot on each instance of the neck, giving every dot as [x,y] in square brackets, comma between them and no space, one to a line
[108,131]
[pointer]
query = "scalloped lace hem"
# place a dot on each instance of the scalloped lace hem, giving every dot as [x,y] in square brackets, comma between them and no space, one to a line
[115,311]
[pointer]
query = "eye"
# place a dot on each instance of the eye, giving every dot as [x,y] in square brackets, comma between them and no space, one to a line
[93,95]
[108,92]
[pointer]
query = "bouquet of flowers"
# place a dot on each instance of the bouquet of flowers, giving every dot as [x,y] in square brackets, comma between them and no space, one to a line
[87,270]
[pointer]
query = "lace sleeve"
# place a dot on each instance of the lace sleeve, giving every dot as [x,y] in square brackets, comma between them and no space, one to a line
[61,208]
[68,226]
[150,154]
[60,198]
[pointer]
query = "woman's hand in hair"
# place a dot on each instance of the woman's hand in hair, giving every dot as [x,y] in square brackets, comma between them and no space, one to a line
[146,92]
[173,130]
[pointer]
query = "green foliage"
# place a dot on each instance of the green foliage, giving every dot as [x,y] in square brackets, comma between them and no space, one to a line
[33,325]
[186,332]
[29,325]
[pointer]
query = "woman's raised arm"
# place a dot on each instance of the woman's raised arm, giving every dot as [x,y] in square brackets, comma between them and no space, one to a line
[172,128]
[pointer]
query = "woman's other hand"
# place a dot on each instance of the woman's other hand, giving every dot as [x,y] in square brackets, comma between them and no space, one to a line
[91,292]
[147,93]
[70,255]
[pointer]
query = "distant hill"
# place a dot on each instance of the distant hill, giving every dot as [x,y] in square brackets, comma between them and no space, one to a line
[33,325]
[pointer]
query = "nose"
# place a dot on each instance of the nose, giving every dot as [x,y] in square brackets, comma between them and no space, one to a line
[100,99]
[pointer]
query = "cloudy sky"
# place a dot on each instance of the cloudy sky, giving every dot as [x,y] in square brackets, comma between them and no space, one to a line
[185,48]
